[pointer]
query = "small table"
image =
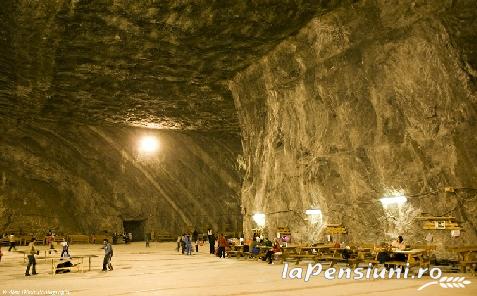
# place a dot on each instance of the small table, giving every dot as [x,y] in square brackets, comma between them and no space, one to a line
[412,255]
[89,259]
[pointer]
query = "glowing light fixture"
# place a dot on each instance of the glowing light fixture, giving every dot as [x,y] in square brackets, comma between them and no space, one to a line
[389,200]
[148,144]
[313,212]
[259,218]
[315,216]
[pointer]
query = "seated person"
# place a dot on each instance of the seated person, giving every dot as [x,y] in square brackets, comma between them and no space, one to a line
[269,256]
[62,267]
[399,243]
[254,247]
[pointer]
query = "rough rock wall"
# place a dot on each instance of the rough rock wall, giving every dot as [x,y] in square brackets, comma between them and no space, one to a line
[88,179]
[371,100]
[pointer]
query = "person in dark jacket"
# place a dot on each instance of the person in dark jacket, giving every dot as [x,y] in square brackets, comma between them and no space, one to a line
[108,254]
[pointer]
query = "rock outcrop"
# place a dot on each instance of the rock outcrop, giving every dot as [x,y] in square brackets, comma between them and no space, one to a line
[371,100]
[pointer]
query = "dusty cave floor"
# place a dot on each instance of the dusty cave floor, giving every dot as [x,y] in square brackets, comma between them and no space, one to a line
[159,270]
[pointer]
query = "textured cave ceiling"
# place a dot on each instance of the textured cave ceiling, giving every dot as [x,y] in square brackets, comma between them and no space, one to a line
[159,64]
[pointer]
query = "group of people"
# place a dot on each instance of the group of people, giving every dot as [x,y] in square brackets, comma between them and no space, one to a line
[184,242]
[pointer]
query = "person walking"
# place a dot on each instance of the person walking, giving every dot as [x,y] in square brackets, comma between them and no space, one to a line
[108,253]
[222,243]
[31,258]
[12,240]
[65,252]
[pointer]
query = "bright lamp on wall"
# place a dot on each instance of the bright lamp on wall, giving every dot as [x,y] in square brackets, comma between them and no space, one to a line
[259,218]
[148,144]
[396,200]
[315,216]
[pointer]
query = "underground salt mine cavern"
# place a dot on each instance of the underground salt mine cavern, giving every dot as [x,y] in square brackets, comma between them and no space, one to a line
[240,147]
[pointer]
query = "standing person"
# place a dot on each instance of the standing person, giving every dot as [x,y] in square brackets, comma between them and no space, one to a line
[188,244]
[130,237]
[179,242]
[222,243]
[195,239]
[64,249]
[31,258]
[146,238]
[108,253]
[12,241]
[211,238]
[1,254]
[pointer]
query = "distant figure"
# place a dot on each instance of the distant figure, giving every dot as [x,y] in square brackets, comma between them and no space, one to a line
[399,243]
[115,238]
[125,238]
[195,239]
[12,241]
[188,245]
[146,238]
[130,237]
[1,254]
[269,256]
[222,243]
[31,258]
[108,254]
[210,236]
[64,249]
[179,243]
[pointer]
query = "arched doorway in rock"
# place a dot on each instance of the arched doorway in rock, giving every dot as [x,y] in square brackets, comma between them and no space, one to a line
[136,227]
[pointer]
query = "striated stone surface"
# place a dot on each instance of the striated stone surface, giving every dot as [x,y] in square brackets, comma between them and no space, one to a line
[159,64]
[371,100]
[89,179]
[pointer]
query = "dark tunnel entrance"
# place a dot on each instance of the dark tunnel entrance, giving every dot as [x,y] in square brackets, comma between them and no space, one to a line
[136,227]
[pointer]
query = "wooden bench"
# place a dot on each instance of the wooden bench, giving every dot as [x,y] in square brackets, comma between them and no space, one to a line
[470,263]
[236,254]
[78,238]
[165,238]
[99,238]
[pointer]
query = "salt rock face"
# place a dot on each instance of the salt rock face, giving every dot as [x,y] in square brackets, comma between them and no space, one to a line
[367,101]
[85,179]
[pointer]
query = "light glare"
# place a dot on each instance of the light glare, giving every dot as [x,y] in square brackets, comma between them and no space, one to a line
[399,200]
[259,219]
[148,144]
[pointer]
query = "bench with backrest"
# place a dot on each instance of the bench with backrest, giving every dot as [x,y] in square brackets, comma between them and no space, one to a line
[78,239]
[99,238]
[165,238]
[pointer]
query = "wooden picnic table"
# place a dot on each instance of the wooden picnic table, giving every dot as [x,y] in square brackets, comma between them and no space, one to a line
[467,256]
[413,256]
[89,256]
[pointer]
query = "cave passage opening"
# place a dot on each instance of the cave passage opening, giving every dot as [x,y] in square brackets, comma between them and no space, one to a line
[136,227]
